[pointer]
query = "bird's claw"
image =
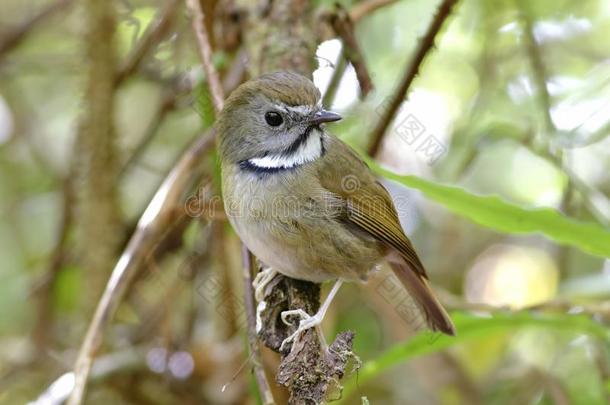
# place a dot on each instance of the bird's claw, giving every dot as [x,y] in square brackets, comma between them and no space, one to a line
[306,322]
[260,282]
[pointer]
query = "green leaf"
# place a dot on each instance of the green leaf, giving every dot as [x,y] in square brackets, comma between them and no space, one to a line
[203,105]
[500,215]
[471,327]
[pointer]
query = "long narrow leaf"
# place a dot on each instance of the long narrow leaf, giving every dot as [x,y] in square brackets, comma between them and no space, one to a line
[470,327]
[500,215]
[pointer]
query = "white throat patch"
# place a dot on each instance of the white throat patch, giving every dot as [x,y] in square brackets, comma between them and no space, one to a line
[308,151]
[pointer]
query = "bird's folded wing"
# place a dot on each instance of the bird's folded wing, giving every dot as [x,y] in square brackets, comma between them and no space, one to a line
[368,206]
[375,214]
[367,203]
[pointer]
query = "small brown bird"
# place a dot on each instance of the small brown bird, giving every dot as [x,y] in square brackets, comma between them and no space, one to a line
[304,202]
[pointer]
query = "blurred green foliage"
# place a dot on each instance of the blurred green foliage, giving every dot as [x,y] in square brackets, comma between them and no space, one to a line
[495,213]
[525,164]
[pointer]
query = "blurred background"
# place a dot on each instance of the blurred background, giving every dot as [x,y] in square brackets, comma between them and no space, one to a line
[514,101]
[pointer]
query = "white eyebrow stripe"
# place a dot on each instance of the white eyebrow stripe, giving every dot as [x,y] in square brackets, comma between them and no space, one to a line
[299,109]
[309,151]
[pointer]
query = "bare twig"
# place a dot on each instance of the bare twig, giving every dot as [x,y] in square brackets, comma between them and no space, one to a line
[168,103]
[591,198]
[102,368]
[426,43]
[259,372]
[335,81]
[288,41]
[364,8]
[538,70]
[552,385]
[544,148]
[95,153]
[157,216]
[153,35]
[597,310]
[344,27]
[205,52]
[11,39]
[218,100]
[234,76]
[228,324]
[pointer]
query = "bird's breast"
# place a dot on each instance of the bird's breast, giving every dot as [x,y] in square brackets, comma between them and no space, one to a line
[294,226]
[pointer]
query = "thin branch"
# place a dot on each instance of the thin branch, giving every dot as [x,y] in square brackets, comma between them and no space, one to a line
[259,372]
[538,70]
[13,38]
[287,41]
[158,215]
[590,197]
[95,154]
[305,369]
[227,324]
[335,81]
[168,103]
[398,97]
[234,76]
[205,52]
[218,99]
[153,35]
[596,310]
[344,27]
[102,368]
[362,9]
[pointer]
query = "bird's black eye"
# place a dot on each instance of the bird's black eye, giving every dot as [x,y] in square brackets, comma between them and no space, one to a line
[274,119]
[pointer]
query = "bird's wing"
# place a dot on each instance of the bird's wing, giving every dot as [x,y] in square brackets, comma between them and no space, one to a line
[369,207]
[375,213]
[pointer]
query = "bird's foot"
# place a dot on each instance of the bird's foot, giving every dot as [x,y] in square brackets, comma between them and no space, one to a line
[306,322]
[261,280]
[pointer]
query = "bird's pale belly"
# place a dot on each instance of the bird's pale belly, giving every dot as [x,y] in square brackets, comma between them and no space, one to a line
[314,255]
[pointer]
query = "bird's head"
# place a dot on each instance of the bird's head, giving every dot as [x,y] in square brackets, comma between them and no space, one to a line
[273,121]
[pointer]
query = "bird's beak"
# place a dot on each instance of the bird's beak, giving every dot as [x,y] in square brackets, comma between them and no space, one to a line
[324,116]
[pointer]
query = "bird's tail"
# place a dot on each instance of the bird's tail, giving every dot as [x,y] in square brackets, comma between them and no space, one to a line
[437,318]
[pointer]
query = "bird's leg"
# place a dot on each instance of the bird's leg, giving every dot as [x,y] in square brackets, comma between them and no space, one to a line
[260,282]
[307,321]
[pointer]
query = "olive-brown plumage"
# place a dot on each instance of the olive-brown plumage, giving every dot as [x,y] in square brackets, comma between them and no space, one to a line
[302,200]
